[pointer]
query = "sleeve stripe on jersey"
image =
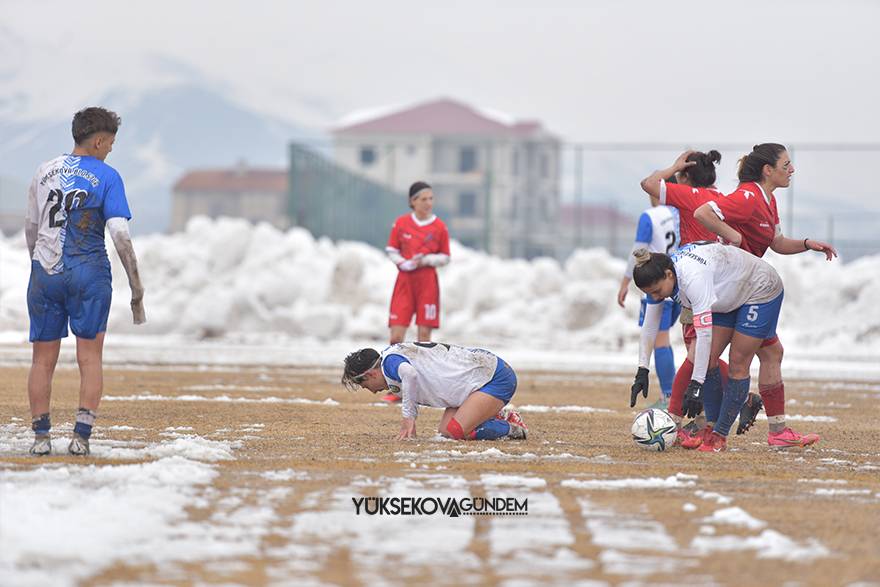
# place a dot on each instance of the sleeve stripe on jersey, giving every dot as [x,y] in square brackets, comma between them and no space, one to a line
[716,209]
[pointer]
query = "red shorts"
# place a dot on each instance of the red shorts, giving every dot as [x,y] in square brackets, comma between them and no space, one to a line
[416,292]
[690,335]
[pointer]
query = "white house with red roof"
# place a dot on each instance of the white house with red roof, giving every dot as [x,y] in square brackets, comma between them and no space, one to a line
[496,180]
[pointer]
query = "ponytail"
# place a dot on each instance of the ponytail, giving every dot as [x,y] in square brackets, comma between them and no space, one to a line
[751,166]
[650,267]
[703,173]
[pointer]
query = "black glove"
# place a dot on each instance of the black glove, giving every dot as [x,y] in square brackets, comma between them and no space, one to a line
[693,399]
[639,384]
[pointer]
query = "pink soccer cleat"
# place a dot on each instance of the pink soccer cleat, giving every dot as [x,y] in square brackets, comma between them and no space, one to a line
[714,442]
[697,439]
[681,436]
[789,438]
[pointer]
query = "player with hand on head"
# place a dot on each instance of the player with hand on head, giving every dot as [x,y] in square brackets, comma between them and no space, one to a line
[735,298]
[658,232]
[473,385]
[418,244]
[71,201]
[749,218]
[694,184]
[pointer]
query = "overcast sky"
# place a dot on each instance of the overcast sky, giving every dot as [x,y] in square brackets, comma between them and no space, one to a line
[693,71]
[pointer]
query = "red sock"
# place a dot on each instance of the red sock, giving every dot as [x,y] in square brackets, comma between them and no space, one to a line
[683,378]
[724,368]
[454,429]
[774,398]
[679,386]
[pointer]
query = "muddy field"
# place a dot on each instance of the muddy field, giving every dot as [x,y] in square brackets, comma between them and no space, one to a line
[257,470]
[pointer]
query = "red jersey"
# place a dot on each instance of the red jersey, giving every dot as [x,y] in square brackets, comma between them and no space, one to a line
[687,199]
[411,237]
[753,214]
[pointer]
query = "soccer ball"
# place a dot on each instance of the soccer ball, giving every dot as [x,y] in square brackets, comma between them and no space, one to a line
[654,429]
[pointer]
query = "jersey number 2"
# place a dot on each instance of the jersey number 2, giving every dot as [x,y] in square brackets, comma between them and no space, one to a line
[670,242]
[69,200]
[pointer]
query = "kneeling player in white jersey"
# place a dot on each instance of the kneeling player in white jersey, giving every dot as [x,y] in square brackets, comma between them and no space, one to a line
[473,385]
[736,299]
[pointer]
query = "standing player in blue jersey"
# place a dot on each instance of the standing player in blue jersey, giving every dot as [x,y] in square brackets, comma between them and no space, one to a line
[474,385]
[658,231]
[71,201]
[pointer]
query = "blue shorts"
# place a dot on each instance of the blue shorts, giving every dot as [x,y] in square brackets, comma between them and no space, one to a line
[671,311]
[503,382]
[755,320]
[79,294]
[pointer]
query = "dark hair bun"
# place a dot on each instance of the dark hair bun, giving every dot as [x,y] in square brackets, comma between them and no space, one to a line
[417,187]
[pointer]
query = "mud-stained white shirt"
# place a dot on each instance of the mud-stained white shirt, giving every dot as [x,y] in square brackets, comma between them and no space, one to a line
[720,278]
[436,374]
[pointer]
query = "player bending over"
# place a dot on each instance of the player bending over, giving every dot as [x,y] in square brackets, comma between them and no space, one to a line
[473,385]
[735,298]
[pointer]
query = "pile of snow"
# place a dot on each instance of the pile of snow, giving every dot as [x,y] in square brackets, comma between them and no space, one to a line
[229,277]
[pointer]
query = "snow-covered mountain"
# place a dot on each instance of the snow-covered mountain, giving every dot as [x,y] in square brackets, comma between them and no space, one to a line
[173,119]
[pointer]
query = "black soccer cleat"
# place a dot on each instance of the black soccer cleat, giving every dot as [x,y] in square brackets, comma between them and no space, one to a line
[749,412]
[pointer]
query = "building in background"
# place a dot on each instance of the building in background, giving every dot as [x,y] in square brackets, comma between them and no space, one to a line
[257,195]
[496,182]
[583,226]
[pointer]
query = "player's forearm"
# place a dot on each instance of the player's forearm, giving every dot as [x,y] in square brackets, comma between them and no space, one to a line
[435,260]
[788,246]
[394,255]
[707,215]
[650,327]
[129,262]
[30,235]
[702,346]
[408,381]
[651,184]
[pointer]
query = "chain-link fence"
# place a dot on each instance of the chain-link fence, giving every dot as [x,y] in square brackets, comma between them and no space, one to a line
[588,194]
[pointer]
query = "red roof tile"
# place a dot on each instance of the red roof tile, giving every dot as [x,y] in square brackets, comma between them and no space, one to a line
[439,117]
[233,180]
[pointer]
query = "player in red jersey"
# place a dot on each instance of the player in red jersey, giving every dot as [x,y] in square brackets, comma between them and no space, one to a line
[418,243]
[749,218]
[695,173]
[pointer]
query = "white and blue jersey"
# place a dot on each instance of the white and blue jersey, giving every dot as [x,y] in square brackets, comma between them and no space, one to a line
[443,375]
[659,229]
[714,279]
[70,199]
[659,232]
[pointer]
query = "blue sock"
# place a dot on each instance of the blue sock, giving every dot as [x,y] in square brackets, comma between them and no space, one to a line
[665,361]
[492,429]
[41,424]
[712,394]
[85,419]
[735,396]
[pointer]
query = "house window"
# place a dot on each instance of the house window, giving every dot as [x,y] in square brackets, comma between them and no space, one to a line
[467,204]
[467,159]
[368,156]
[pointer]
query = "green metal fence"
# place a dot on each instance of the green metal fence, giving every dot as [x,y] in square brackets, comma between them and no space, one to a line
[331,201]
